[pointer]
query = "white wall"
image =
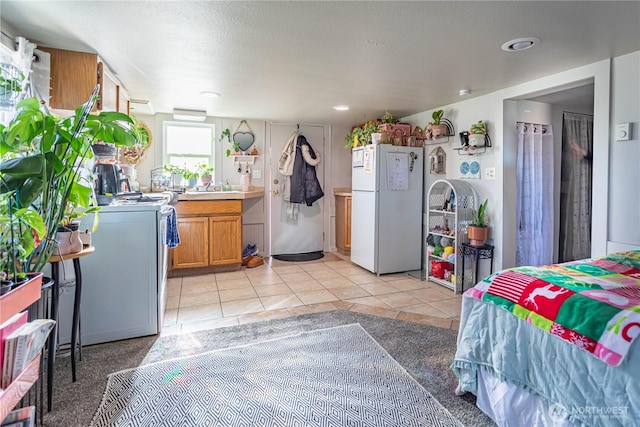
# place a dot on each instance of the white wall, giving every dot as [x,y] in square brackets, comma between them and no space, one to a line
[500,110]
[463,115]
[624,162]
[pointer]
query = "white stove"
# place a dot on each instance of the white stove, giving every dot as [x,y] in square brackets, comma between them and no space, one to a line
[124,281]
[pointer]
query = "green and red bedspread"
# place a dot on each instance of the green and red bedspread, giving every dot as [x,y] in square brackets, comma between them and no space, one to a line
[593,304]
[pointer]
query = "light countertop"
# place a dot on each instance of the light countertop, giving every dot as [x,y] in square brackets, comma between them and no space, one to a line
[342,192]
[222,195]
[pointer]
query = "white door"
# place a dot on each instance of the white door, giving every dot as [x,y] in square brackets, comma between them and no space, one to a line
[305,234]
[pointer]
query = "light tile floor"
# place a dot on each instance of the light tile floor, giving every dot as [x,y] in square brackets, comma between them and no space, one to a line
[281,289]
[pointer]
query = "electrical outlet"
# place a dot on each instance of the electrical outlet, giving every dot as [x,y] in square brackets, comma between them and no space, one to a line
[490,173]
[256,174]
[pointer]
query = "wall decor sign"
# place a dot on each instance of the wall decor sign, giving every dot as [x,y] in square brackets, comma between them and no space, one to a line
[470,169]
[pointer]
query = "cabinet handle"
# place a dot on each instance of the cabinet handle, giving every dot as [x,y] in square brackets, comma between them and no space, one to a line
[276,192]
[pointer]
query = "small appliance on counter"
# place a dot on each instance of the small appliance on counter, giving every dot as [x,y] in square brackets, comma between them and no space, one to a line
[109,182]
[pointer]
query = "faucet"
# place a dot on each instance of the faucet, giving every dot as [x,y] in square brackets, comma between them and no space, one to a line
[216,187]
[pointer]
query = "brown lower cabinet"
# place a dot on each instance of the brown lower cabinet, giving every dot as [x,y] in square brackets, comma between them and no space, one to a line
[343,224]
[210,234]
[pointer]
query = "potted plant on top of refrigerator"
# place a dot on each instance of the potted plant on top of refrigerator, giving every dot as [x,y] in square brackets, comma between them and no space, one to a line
[478,230]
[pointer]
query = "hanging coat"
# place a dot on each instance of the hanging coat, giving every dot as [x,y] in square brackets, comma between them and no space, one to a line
[305,187]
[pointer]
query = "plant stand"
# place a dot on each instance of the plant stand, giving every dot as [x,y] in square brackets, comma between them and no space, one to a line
[478,253]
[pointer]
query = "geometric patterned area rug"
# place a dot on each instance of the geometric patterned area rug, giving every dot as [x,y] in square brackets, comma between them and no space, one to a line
[328,377]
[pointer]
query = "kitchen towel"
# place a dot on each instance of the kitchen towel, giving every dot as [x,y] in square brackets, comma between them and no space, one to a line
[172,236]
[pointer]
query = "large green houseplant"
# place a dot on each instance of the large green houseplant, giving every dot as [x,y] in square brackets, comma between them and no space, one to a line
[41,173]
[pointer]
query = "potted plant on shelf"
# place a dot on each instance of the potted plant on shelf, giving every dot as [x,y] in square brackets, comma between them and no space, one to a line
[438,129]
[478,230]
[477,134]
[41,168]
[236,145]
[68,238]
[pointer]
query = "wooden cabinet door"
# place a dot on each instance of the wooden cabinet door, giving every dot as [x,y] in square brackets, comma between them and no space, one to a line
[347,221]
[123,101]
[225,235]
[73,77]
[343,224]
[193,250]
[108,89]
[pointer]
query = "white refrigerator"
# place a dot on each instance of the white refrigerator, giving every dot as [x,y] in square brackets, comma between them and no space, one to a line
[386,208]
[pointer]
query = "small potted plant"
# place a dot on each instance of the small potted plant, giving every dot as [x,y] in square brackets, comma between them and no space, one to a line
[205,171]
[438,129]
[236,145]
[478,230]
[477,134]
[368,129]
[22,231]
[68,238]
[184,174]
[386,122]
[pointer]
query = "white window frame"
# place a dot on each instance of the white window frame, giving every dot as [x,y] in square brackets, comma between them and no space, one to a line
[166,156]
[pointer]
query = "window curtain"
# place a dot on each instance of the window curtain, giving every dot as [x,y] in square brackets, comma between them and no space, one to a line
[575,190]
[534,207]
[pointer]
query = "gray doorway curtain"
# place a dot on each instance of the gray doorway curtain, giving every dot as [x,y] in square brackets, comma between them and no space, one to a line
[575,197]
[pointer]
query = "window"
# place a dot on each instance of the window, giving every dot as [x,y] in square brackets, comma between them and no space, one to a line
[188,144]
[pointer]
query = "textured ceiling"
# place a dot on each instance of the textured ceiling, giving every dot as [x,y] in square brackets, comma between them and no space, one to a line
[292,61]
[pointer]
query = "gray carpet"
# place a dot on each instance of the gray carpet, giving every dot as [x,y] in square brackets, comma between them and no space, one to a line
[424,351]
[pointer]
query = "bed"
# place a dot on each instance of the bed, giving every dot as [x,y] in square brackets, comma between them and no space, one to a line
[554,345]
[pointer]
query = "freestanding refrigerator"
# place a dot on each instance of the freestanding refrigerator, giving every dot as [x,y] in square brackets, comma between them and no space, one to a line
[386,208]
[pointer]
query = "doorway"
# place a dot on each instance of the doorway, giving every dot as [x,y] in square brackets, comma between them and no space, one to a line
[573,198]
[306,233]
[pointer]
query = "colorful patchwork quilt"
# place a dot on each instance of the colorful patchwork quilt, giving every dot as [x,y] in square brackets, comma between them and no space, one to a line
[593,304]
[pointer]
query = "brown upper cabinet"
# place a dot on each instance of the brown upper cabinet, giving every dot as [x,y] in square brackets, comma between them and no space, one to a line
[123,100]
[74,76]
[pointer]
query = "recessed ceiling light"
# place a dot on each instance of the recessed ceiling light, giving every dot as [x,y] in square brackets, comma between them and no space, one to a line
[464,92]
[210,94]
[520,44]
[341,107]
